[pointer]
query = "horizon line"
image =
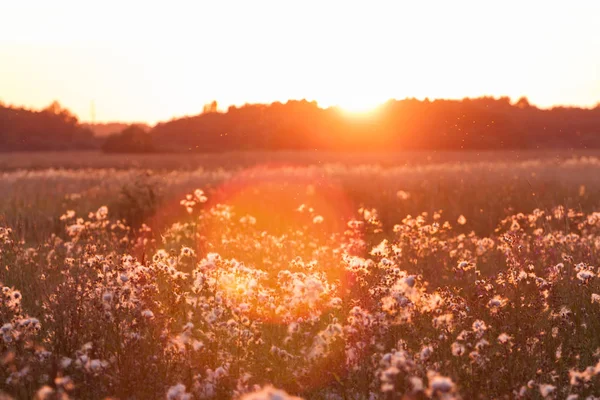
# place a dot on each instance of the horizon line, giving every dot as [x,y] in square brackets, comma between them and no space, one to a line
[225,109]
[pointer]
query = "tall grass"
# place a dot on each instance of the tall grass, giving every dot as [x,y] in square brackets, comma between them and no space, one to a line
[334,281]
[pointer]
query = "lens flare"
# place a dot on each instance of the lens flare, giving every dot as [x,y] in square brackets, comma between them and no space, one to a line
[293,210]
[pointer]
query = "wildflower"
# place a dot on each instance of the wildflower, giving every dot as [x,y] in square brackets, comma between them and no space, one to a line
[160,255]
[65,362]
[387,387]
[443,321]
[102,213]
[439,384]
[148,314]
[268,393]
[402,195]
[462,220]
[496,302]
[410,280]
[64,382]
[220,372]
[107,297]
[6,328]
[248,219]
[504,338]
[44,393]
[479,327]
[70,214]
[515,226]
[75,229]
[188,203]
[565,312]
[426,353]
[457,349]
[317,219]
[199,195]
[475,357]
[390,373]
[197,345]
[381,249]
[585,275]
[481,344]
[95,365]
[416,383]
[178,392]
[546,390]
[186,252]
[595,298]
[577,378]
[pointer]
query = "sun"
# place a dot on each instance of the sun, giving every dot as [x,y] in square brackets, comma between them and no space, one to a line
[355,105]
[360,105]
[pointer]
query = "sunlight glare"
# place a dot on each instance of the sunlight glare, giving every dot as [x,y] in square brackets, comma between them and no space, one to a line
[360,106]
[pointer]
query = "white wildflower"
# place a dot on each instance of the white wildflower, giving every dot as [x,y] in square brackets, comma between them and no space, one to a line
[585,275]
[546,390]
[178,392]
[269,393]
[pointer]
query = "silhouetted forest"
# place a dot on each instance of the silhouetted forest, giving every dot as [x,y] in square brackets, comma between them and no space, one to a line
[481,123]
[103,129]
[133,139]
[53,128]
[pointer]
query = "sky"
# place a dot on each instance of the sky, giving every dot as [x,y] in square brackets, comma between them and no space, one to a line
[152,61]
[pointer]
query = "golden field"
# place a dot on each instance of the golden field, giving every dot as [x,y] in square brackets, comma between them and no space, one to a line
[320,276]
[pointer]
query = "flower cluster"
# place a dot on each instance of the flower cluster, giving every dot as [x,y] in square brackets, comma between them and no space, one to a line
[220,306]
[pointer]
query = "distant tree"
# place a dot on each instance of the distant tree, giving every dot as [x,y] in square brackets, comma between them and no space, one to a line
[104,129]
[210,108]
[53,108]
[523,103]
[56,109]
[133,139]
[53,128]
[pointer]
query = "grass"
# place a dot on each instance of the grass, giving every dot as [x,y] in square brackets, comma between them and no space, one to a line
[233,160]
[335,276]
[482,187]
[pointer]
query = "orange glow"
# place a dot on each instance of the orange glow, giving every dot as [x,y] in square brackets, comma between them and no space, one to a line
[355,54]
[360,106]
[295,209]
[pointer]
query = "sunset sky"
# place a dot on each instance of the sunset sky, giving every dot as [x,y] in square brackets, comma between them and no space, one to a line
[150,61]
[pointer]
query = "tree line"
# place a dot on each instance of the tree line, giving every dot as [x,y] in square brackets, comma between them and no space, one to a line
[479,123]
[53,128]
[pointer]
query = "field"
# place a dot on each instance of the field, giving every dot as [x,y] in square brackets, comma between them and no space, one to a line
[466,275]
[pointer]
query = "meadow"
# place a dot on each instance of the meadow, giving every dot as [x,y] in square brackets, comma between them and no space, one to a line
[448,275]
